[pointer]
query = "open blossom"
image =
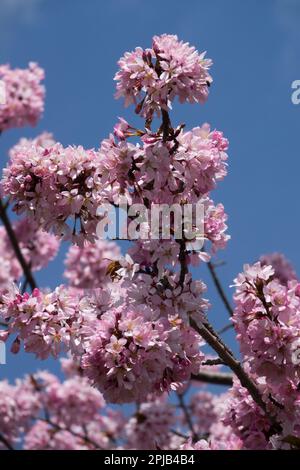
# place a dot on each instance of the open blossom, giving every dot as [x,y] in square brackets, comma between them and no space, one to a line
[170,68]
[53,185]
[24,96]
[284,271]
[132,354]
[86,266]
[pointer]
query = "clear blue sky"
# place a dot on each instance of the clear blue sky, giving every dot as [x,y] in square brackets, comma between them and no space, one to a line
[255,47]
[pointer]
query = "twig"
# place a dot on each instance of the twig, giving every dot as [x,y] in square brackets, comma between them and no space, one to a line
[225,328]
[187,417]
[216,378]
[215,343]
[13,239]
[219,288]
[213,362]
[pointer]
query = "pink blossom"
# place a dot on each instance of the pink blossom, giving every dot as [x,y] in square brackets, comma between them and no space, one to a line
[170,68]
[24,96]
[132,354]
[53,185]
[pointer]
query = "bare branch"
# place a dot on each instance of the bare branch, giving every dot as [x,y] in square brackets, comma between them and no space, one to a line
[187,416]
[225,328]
[226,355]
[219,288]
[216,378]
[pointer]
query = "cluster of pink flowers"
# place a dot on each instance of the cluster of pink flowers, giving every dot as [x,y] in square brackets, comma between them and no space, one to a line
[159,172]
[45,322]
[73,402]
[156,76]
[267,321]
[247,420]
[150,427]
[133,353]
[18,406]
[167,297]
[24,96]
[54,184]
[72,416]
[87,265]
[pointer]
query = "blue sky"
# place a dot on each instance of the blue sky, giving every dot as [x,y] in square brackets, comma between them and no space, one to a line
[255,48]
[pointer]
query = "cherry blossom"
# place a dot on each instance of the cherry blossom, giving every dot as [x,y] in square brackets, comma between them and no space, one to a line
[24,96]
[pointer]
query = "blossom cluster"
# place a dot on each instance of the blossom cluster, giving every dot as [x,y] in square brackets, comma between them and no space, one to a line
[18,406]
[165,295]
[160,172]
[47,323]
[152,78]
[132,353]
[267,321]
[49,414]
[54,185]
[24,96]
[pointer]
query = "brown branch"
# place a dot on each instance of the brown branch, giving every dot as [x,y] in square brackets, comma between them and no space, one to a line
[219,288]
[225,328]
[166,124]
[13,239]
[216,378]
[187,416]
[216,344]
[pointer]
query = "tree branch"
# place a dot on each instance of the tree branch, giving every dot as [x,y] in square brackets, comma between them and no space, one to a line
[225,328]
[217,345]
[13,239]
[219,288]
[216,378]
[187,416]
